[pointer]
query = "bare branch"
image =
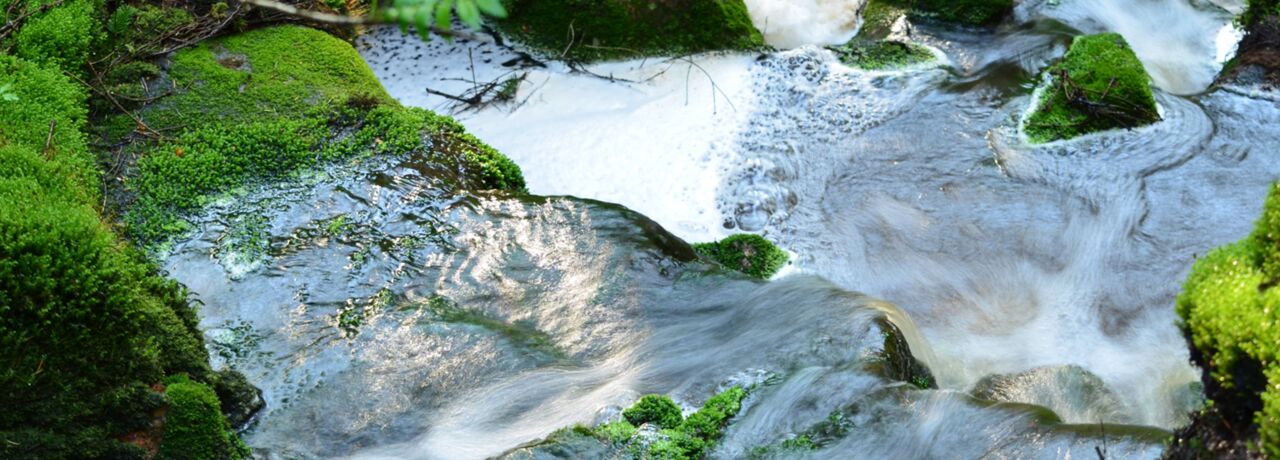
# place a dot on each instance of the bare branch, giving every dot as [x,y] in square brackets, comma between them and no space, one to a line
[342,19]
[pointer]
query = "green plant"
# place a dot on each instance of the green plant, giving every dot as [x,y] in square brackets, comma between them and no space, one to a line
[425,14]
[747,253]
[656,409]
[1099,84]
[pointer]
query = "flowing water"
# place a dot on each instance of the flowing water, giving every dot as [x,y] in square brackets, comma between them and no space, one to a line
[387,314]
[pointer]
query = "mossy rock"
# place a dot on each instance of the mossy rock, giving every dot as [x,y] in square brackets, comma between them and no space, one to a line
[1098,85]
[680,438]
[1230,306]
[978,13]
[747,253]
[882,54]
[279,71]
[194,428]
[266,104]
[595,30]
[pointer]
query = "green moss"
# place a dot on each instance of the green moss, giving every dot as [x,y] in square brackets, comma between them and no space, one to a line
[747,253]
[1100,84]
[86,323]
[1230,307]
[81,317]
[656,409]
[280,71]
[45,96]
[194,428]
[615,432]
[697,434]
[593,30]
[882,55]
[1257,10]
[967,12]
[61,37]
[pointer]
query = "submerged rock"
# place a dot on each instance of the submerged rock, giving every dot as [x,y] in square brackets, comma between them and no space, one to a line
[882,54]
[596,30]
[1099,85]
[1073,393]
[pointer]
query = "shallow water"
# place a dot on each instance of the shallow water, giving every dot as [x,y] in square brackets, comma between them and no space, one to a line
[390,315]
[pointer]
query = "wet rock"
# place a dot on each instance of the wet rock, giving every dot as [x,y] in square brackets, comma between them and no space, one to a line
[1099,85]
[240,400]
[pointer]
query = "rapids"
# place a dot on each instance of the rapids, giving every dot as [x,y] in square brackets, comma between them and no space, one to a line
[386,315]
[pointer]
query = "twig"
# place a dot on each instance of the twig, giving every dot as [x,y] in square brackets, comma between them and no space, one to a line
[142,127]
[48,140]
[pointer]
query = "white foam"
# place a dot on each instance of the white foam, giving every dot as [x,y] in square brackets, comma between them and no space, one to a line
[793,23]
[655,144]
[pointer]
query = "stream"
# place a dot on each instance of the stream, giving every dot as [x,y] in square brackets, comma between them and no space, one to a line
[386,314]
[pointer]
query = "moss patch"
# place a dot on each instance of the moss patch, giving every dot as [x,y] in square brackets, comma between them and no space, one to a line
[594,30]
[276,72]
[656,409]
[967,12]
[1230,306]
[1100,84]
[60,37]
[747,253]
[882,55]
[194,426]
[691,437]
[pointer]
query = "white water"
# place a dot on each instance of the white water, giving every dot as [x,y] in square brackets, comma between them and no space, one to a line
[1052,267]
[756,152]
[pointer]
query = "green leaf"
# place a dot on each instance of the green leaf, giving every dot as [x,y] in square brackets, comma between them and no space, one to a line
[469,14]
[10,97]
[492,8]
[443,15]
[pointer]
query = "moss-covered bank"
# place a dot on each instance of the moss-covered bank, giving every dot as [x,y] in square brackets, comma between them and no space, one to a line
[87,325]
[1098,85]
[1230,308]
[595,30]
